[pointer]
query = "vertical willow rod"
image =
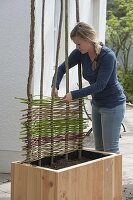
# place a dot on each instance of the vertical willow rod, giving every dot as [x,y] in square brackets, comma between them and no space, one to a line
[42,53]
[67,77]
[58,43]
[41,82]
[80,86]
[29,81]
[55,77]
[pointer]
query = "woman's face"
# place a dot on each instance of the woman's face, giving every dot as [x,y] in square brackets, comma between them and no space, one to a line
[83,45]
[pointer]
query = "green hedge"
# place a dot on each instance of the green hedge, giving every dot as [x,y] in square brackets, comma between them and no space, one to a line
[126,80]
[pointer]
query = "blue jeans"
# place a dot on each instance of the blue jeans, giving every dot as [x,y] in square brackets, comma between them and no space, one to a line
[106,124]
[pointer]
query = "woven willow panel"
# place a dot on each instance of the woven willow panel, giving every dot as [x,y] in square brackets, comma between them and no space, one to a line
[50,126]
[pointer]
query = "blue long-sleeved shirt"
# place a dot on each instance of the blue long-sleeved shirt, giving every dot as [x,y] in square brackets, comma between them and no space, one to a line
[103,84]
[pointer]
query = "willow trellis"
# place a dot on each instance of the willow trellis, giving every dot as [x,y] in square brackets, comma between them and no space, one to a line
[49,126]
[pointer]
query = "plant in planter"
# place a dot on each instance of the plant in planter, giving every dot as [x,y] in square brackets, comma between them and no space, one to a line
[56,166]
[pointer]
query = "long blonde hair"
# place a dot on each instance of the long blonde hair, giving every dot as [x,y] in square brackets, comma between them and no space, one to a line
[87,32]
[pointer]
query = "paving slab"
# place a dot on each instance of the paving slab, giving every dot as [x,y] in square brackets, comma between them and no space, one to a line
[5,191]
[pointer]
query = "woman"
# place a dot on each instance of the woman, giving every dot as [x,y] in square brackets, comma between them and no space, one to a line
[99,69]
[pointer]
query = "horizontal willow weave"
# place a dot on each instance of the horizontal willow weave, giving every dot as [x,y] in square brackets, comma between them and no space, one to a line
[49,120]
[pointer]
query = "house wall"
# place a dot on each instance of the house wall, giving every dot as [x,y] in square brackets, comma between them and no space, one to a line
[14,42]
[14,55]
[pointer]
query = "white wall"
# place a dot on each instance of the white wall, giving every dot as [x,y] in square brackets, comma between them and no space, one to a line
[99,18]
[14,42]
[48,46]
[14,50]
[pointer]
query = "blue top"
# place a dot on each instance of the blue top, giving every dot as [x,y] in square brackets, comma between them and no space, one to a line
[104,87]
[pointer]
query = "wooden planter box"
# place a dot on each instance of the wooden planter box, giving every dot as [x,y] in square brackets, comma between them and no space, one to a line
[98,179]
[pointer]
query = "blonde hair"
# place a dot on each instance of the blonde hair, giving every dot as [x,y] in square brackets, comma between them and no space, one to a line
[86,32]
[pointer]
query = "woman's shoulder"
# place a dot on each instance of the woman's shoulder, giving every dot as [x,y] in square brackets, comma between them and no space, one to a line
[75,55]
[108,52]
[75,52]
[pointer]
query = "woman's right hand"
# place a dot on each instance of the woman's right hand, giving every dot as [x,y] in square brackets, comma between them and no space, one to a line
[54,92]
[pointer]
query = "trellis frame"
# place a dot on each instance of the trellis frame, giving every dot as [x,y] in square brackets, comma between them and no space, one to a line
[32,103]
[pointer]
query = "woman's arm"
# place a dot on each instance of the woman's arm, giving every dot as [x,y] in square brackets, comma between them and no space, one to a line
[73,59]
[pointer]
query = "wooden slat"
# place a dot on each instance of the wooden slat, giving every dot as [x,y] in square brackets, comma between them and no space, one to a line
[48,185]
[33,184]
[118,177]
[108,178]
[19,182]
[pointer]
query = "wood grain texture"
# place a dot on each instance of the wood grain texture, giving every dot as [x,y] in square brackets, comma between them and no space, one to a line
[99,179]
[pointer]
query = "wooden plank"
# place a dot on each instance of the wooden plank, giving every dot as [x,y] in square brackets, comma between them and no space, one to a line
[19,182]
[67,184]
[108,172]
[118,177]
[48,184]
[33,184]
[12,181]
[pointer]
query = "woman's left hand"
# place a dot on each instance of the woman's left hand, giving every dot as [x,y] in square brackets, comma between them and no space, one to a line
[67,98]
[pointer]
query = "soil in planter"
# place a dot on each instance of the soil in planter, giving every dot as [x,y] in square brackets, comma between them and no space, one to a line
[66,163]
[60,161]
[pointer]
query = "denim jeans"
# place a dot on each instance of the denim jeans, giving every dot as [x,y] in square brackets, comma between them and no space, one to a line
[106,124]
